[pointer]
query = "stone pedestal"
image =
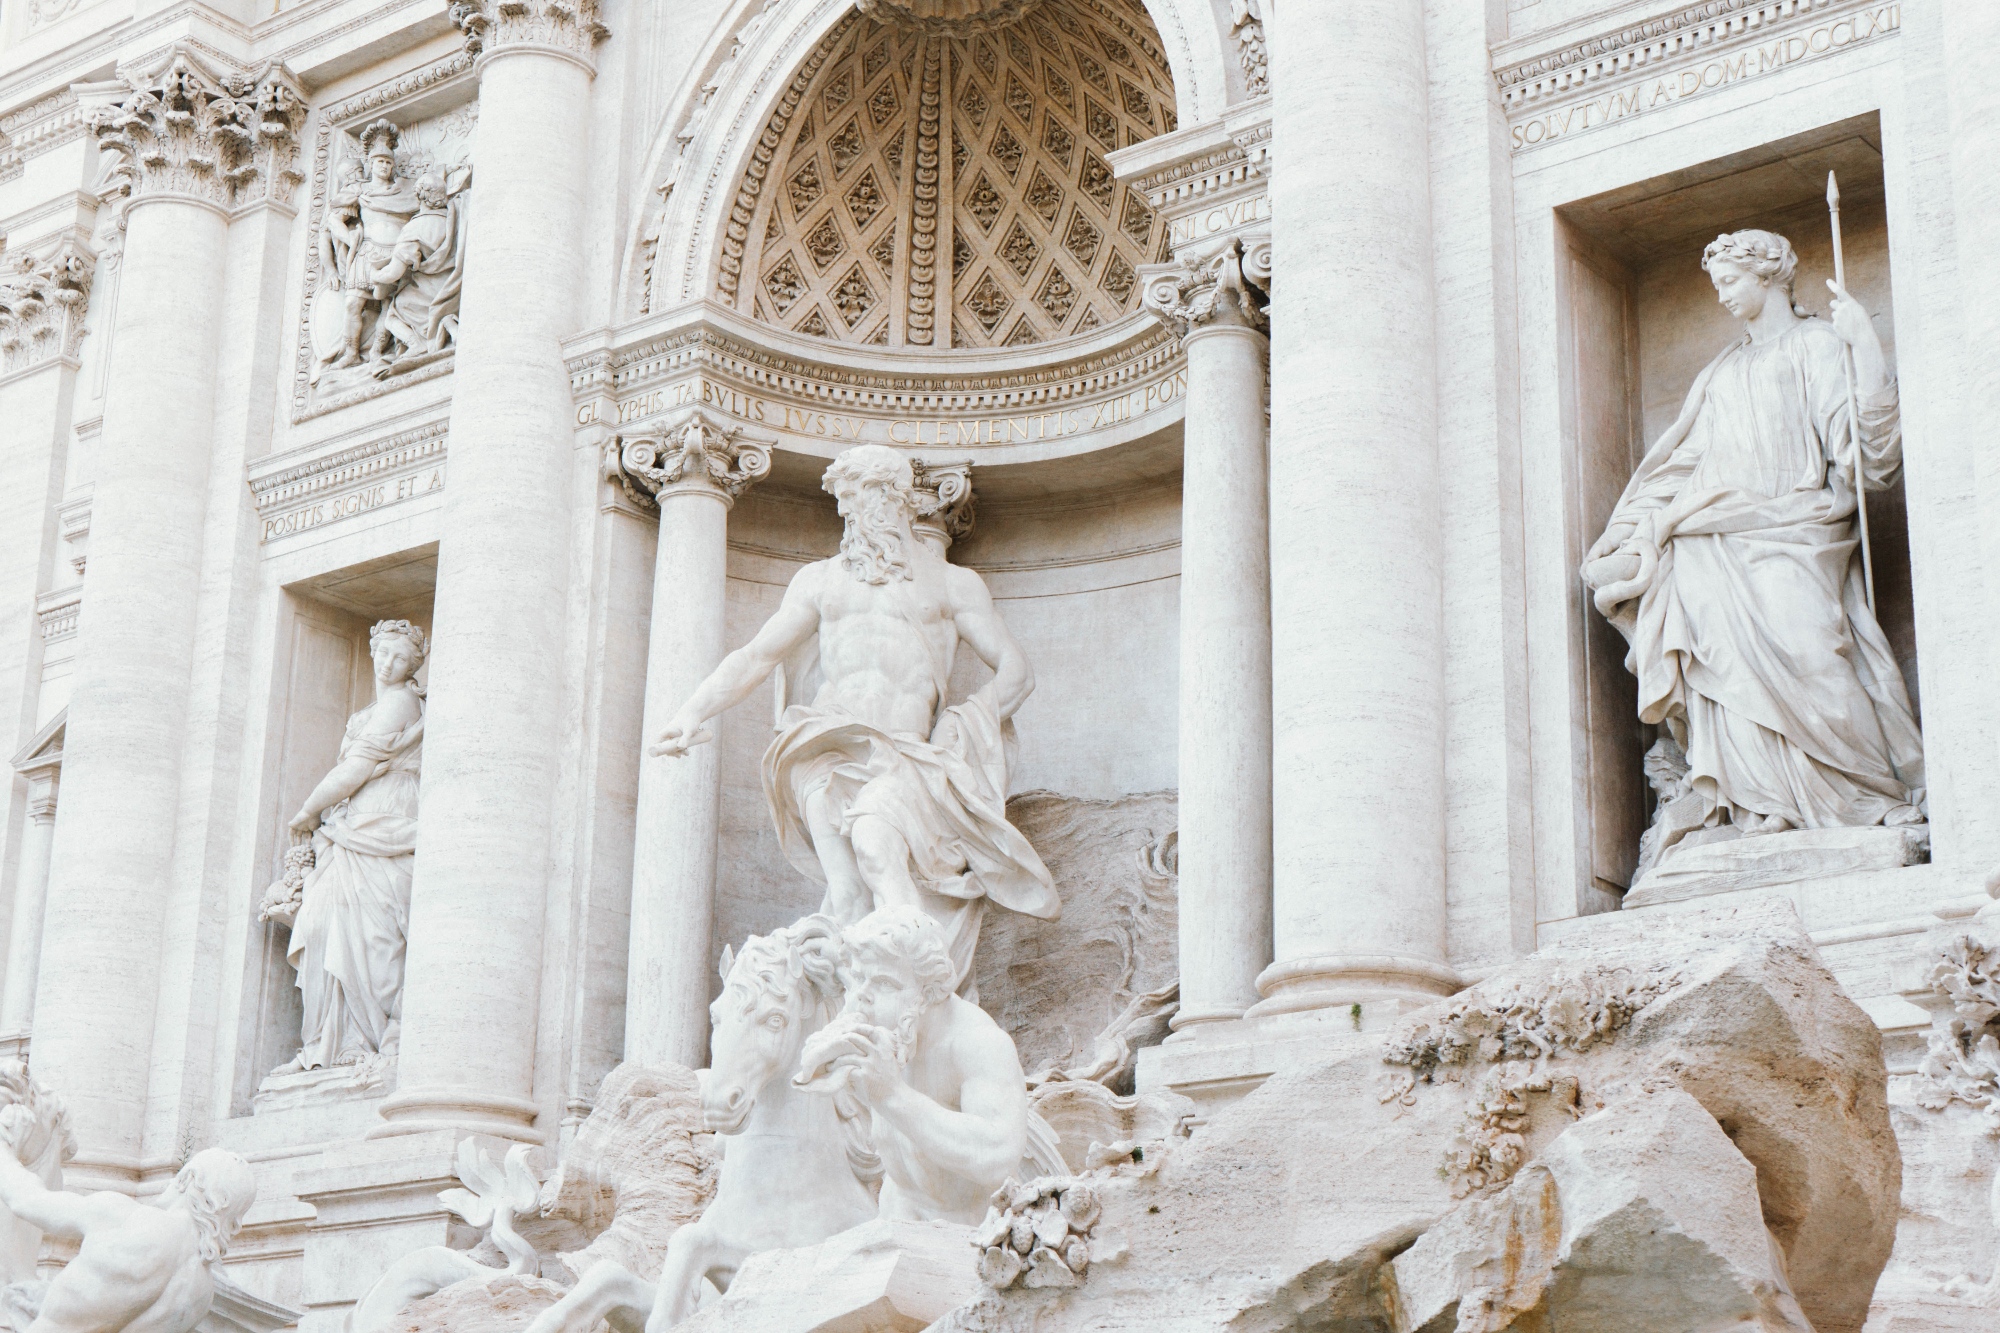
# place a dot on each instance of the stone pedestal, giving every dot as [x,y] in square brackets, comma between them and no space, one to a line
[694,473]
[494,731]
[1225,669]
[1777,858]
[1357,620]
[374,1202]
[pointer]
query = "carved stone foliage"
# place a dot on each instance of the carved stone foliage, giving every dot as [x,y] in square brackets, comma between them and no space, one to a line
[1216,291]
[1507,1037]
[1246,22]
[944,500]
[697,452]
[389,250]
[1081,993]
[1962,1062]
[1038,1233]
[191,131]
[922,184]
[570,26]
[42,301]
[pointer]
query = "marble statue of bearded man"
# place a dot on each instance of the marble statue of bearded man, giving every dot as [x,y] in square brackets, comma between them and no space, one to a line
[881,789]
[1731,565]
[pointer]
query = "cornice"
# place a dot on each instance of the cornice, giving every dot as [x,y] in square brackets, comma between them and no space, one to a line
[1717,43]
[280,483]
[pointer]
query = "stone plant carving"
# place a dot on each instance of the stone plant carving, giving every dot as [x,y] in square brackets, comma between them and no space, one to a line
[568,25]
[1962,1062]
[42,301]
[698,449]
[392,262]
[1037,1233]
[221,136]
[347,895]
[1519,1030]
[1246,21]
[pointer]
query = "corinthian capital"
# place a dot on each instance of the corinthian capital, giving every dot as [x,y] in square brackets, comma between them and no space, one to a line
[563,27]
[696,455]
[944,501]
[1188,295]
[189,131]
[42,301]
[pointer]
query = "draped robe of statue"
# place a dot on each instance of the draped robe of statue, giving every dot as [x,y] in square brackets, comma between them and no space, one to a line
[949,802]
[354,911]
[1751,639]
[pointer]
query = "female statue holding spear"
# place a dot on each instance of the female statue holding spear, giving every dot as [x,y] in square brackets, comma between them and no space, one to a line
[1731,565]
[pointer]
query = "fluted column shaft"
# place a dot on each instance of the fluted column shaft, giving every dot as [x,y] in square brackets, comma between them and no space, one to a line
[114,832]
[694,474]
[31,887]
[1357,647]
[494,730]
[1225,644]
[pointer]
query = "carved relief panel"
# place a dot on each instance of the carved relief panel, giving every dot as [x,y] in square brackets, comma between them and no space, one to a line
[391,178]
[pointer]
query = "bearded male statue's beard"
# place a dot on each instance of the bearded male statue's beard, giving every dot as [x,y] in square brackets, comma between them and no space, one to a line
[871,548]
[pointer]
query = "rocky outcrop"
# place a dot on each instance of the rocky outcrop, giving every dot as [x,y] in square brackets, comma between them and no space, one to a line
[1526,1118]
[1084,992]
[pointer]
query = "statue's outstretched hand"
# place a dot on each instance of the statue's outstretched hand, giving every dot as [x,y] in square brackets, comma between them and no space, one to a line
[678,737]
[305,821]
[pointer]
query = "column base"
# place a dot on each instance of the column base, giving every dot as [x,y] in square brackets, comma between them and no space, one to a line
[1218,1064]
[460,1111]
[1185,1018]
[1326,981]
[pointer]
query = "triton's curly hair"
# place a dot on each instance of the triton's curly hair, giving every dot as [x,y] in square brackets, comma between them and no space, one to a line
[906,933]
[1764,253]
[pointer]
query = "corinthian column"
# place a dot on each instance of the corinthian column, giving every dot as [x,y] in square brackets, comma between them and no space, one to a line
[694,473]
[494,732]
[1356,580]
[192,143]
[1225,668]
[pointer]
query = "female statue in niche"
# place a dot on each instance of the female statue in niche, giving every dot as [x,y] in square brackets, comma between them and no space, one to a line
[1732,567]
[354,906]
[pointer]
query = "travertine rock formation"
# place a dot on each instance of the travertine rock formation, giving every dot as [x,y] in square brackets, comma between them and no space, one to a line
[1057,986]
[1665,1090]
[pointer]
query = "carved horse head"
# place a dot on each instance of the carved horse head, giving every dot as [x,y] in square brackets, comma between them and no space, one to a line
[781,988]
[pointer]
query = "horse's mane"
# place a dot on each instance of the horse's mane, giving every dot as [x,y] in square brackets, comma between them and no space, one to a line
[805,956]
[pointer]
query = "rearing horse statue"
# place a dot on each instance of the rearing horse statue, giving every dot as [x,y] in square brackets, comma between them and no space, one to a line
[796,1168]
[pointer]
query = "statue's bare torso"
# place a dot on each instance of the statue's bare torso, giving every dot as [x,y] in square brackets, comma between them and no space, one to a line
[885,649]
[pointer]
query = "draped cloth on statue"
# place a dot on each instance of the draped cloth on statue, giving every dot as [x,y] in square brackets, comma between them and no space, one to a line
[354,911]
[1751,636]
[949,803]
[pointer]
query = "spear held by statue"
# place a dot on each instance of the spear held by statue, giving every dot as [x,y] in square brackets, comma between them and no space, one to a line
[1853,418]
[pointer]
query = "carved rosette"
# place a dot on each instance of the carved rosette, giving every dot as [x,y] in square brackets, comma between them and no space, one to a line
[944,501]
[223,138]
[698,455]
[565,27]
[42,302]
[1189,295]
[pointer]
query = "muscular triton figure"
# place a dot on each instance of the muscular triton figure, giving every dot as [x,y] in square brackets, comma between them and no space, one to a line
[879,790]
[142,1267]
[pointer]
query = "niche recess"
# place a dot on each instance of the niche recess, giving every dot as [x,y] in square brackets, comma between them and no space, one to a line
[1639,320]
[321,675]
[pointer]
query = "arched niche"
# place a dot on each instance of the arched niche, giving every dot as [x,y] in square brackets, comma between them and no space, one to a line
[750,66]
